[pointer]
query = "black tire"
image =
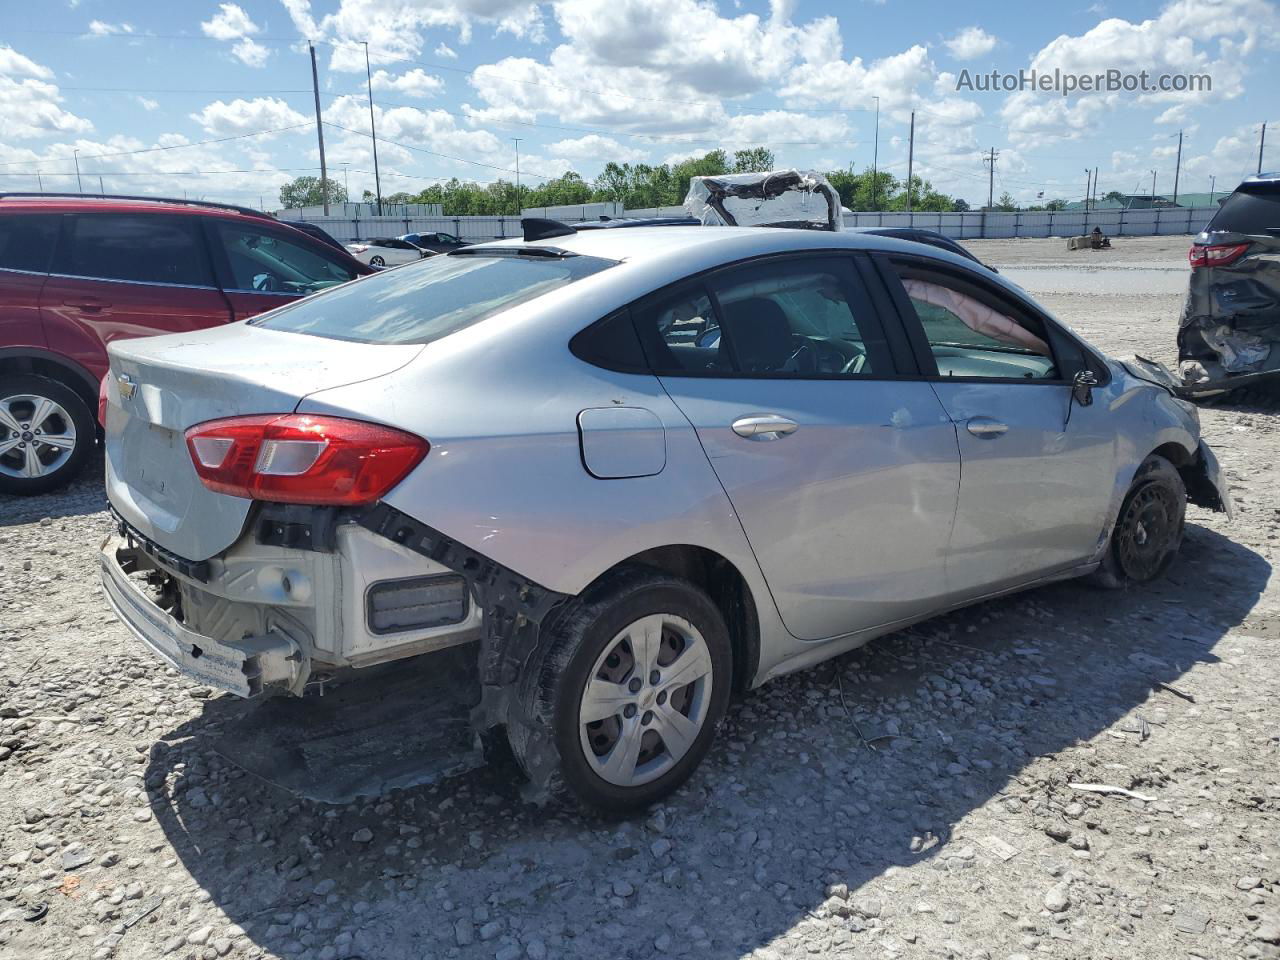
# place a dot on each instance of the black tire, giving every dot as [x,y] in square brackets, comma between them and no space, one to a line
[549,743]
[377,262]
[1148,529]
[69,466]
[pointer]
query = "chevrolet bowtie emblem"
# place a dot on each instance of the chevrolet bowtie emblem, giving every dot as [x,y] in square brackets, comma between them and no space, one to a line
[128,386]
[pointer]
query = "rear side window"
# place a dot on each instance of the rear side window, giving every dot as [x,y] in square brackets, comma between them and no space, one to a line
[26,241]
[142,248]
[431,299]
[1248,212]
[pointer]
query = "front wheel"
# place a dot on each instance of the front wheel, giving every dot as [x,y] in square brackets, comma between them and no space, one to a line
[632,686]
[1148,530]
[377,262]
[46,434]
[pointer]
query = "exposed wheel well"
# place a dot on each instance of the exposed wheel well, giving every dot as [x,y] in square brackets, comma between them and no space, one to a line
[1175,453]
[41,366]
[728,590]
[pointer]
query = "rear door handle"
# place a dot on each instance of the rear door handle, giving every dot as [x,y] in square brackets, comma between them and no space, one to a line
[985,427]
[90,304]
[767,426]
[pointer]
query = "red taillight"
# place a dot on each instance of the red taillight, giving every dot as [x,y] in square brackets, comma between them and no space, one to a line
[1217,255]
[296,458]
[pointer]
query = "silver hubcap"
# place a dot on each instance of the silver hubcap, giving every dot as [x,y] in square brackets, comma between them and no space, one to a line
[36,436]
[646,700]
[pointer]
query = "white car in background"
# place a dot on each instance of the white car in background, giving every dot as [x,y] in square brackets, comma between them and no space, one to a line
[387,252]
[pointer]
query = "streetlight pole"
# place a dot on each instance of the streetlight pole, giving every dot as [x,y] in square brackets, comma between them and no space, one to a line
[1153,188]
[1213,182]
[346,183]
[875,159]
[517,143]
[373,132]
[75,154]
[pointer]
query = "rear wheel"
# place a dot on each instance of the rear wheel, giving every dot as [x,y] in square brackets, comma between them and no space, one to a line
[633,684]
[377,262]
[46,434]
[1148,530]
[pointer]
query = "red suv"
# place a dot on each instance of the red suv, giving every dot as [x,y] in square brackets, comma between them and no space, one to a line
[77,272]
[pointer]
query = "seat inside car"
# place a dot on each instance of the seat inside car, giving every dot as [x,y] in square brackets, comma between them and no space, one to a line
[760,334]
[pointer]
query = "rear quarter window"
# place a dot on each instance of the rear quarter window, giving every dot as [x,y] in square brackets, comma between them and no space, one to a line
[425,301]
[1250,212]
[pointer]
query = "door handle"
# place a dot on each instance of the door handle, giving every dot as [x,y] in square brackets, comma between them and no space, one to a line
[89,304]
[985,427]
[767,426]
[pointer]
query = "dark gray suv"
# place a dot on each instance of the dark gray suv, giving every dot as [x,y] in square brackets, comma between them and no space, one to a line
[1229,332]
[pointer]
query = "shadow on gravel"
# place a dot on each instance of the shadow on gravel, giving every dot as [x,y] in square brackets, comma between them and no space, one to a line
[84,495]
[790,800]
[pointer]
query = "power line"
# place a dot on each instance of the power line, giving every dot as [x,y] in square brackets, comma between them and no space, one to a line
[434,153]
[172,146]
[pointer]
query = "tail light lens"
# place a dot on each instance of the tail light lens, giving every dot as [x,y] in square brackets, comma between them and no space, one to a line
[295,458]
[102,399]
[1215,255]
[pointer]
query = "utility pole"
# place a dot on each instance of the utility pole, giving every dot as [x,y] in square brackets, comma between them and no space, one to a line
[1088,187]
[911,151]
[39,180]
[1153,188]
[75,155]
[102,191]
[875,159]
[1213,181]
[991,178]
[373,130]
[1177,167]
[1095,188]
[1262,142]
[324,171]
[346,183]
[517,140]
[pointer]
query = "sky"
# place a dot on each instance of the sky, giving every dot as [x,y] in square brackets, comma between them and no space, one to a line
[213,100]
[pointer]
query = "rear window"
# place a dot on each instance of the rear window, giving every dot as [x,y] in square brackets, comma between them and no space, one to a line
[26,241]
[1249,212]
[425,301]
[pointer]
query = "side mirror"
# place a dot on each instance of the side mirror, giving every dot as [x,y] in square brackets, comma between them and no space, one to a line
[1082,385]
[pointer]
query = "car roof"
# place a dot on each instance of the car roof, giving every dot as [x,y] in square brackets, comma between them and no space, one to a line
[70,203]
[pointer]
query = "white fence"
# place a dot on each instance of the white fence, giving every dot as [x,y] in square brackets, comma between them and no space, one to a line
[1058,223]
[962,226]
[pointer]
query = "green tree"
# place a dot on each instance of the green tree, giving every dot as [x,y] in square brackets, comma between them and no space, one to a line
[1056,205]
[753,160]
[1006,202]
[305,192]
[960,205]
[1115,195]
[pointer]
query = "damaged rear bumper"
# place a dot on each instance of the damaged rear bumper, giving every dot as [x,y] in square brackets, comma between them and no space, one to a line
[246,668]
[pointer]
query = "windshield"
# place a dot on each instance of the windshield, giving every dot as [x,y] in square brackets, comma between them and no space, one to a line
[431,299]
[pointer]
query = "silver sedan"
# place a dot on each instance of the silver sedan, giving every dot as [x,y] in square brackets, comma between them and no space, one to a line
[632,471]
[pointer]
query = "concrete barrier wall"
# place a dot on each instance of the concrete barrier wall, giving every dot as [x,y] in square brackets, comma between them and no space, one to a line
[962,226]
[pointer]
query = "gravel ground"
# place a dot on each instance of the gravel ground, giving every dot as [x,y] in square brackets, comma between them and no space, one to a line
[952,831]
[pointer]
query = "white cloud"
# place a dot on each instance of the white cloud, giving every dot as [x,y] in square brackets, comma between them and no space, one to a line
[597,149]
[29,104]
[445,52]
[232,23]
[14,64]
[414,83]
[971,43]
[1211,37]
[101,29]
[229,23]
[247,116]
[147,103]
[251,53]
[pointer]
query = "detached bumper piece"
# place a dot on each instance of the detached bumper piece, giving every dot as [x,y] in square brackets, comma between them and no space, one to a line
[248,668]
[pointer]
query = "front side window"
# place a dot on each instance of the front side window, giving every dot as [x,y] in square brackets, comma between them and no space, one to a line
[26,241]
[142,248]
[431,298]
[780,318]
[264,261]
[971,334]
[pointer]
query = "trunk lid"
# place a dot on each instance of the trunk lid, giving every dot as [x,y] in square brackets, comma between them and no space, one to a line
[160,386]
